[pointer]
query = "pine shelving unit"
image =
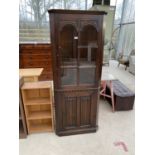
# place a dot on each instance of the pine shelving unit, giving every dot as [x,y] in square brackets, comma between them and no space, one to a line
[38,105]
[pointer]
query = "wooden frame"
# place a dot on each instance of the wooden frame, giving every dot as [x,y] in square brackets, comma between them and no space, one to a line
[37,98]
[22,121]
[76,85]
[30,74]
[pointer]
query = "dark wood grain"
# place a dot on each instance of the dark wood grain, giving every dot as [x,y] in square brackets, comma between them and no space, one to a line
[90,12]
[76,79]
[36,56]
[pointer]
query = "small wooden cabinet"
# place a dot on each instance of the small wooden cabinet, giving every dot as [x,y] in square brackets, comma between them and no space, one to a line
[77,39]
[22,121]
[37,98]
[30,74]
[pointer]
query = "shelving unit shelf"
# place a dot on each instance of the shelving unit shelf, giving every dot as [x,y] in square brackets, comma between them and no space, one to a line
[36,101]
[38,105]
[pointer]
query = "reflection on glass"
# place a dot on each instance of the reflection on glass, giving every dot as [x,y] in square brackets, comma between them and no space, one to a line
[78,55]
[87,55]
[88,46]
[88,36]
[67,46]
[68,76]
[87,75]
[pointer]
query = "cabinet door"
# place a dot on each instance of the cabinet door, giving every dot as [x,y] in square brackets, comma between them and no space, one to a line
[77,109]
[78,53]
[87,109]
[88,53]
[66,110]
[67,53]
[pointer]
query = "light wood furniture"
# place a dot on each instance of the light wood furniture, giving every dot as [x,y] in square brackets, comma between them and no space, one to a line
[22,121]
[77,41]
[37,98]
[30,74]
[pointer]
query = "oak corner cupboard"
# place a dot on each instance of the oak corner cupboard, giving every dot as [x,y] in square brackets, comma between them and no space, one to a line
[77,39]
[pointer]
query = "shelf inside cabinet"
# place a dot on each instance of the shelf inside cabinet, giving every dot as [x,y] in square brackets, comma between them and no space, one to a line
[37,85]
[39,115]
[39,100]
[87,66]
[43,125]
[40,128]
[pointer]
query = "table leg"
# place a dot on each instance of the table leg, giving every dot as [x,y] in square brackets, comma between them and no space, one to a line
[112,96]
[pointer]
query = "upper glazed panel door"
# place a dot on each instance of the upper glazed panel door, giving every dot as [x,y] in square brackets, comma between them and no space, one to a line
[88,52]
[67,56]
[67,45]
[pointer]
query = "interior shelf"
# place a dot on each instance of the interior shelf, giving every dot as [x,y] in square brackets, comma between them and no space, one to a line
[68,66]
[87,66]
[41,128]
[39,115]
[44,125]
[37,85]
[39,100]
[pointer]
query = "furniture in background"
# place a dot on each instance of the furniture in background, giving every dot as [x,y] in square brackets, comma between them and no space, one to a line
[77,55]
[30,74]
[36,56]
[124,60]
[123,97]
[38,106]
[22,121]
[107,78]
[132,62]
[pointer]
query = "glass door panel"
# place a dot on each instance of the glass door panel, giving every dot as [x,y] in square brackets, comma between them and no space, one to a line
[67,46]
[68,55]
[87,75]
[68,76]
[87,55]
[78,56]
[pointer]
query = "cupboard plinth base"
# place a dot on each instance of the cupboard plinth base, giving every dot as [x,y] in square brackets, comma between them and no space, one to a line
[77,131]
